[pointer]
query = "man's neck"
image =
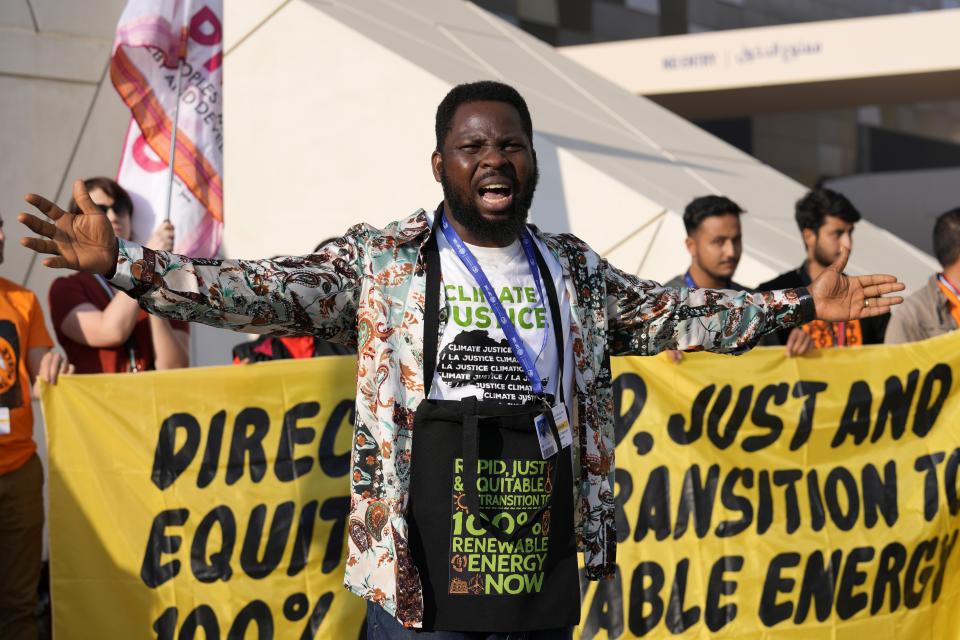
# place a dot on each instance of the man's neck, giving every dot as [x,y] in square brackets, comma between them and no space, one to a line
[704,280]
[814,268]
[953,272]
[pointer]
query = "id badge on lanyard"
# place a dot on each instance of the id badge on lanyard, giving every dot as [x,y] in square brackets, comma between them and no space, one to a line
[553,424]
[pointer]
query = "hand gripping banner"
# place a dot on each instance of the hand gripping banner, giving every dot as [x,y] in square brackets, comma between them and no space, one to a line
[757,497]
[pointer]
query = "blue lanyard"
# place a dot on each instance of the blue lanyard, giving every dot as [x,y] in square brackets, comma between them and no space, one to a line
[517,345]
[689,281]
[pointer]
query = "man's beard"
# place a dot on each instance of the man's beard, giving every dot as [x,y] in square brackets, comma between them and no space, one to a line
[821,257]
[500,233]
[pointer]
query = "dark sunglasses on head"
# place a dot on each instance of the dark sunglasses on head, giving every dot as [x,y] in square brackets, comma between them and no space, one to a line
[107,207]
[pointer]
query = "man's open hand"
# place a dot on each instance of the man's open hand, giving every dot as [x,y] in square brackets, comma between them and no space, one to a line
[839,297]
[82,242]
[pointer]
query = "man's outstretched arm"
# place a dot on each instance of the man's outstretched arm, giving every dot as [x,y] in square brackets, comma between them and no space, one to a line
[645,318]
[311,295]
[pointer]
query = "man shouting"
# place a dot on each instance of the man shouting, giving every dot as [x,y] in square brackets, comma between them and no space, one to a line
[483,443]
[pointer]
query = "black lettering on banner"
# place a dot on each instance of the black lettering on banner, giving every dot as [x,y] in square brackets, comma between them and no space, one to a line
[773,612]
[893,557]
[168,463]
[623,420]
[765,503]
[855,420]
[895,405]
[211,455]
[844,521]
[286,467]
[946,549]
[218,565]
[256,612]
[623,489]
[697,497]
[301,543]
[153,571]
[950,482]
[928,407]
[254,566]
[606,608]
[642,594]
[805,389]
[333,465]
[734,502]
[655,506]
[818,586]
[678,619]
[879,495]
[244,444]
[729,435]
[931,500]
[765,420]
[204,618]
[676,422]
[848,602]
[718,617]
[924,552]
[788,478]
[336,509]
[317,615]
[818,518]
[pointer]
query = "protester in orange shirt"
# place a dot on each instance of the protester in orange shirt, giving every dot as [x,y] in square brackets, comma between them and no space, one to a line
[25,356]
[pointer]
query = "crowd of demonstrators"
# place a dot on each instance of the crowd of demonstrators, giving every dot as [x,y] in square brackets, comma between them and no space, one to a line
[826,220]
[934,309]
[102,332]
[715,243]
[26,357]
[470,278]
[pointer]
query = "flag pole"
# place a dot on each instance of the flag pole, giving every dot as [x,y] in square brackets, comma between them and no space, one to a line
[176,118]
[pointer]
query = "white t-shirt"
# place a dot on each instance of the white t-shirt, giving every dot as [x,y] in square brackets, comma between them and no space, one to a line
[474,357]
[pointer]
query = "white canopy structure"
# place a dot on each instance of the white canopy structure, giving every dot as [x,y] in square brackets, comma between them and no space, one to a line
[329,108]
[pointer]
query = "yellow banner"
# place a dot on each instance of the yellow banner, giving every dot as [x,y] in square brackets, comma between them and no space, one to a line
[203,503]
[757,497]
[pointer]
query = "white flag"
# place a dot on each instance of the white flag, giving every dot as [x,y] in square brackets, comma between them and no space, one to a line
[155,40]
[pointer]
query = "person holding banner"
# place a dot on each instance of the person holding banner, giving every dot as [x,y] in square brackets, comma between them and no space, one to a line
[826,220]
[715,243]
[935,309]
[488,339]
[104,333]
[25,359]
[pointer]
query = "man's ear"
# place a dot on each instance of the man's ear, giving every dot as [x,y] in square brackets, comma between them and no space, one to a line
[809,239]
[691,246]
[436,162]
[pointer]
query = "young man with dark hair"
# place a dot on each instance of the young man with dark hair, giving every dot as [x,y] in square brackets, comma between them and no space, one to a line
[935,309]
[479,334]
[715,242]
[826,220]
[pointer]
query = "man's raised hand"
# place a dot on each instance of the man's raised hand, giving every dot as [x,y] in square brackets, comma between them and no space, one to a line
[839,297]
[82,242]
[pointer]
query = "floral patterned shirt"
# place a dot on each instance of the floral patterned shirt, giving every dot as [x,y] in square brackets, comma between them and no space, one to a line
[366,290]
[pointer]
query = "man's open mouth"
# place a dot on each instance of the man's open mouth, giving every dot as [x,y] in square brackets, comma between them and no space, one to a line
[496,196]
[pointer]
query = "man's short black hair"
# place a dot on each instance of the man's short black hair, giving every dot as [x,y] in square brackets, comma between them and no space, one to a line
[814,207]
[946,237]
[706,206]
[479,92]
